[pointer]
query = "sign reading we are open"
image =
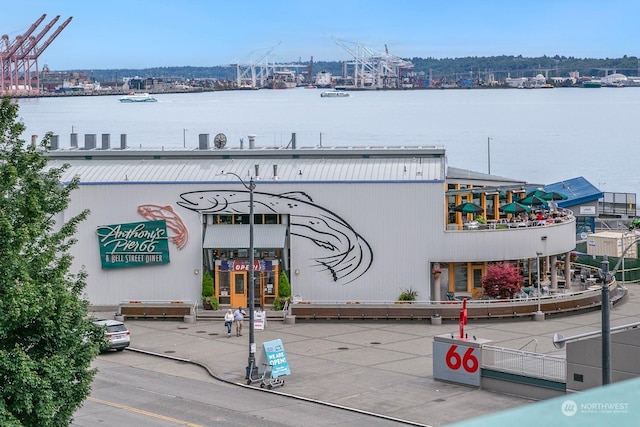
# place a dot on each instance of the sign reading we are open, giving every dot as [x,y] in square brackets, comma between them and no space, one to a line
[134,244]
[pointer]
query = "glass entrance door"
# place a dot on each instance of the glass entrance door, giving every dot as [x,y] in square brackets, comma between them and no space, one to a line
[239,289]
[477,276]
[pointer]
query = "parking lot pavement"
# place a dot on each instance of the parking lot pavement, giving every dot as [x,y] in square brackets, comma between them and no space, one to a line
[378,366]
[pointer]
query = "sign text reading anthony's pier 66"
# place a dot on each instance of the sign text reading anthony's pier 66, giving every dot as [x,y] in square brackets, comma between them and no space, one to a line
[133,244]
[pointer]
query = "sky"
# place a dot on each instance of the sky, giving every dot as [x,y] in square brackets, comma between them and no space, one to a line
[161,33]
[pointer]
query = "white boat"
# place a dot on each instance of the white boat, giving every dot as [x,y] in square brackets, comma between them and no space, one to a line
[137,97]
[334,94]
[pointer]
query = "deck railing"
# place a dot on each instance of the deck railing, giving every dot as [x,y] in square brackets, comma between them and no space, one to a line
[525,363]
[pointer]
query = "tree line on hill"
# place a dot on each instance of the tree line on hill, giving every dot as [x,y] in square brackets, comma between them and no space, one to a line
[472,67]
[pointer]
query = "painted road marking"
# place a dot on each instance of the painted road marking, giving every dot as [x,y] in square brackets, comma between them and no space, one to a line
[140,411]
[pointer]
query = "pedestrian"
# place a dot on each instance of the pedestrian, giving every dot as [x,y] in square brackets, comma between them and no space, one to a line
[228,321]
[238,317]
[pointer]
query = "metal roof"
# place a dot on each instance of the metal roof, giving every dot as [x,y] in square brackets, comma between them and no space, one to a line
[91,171]
[578,190]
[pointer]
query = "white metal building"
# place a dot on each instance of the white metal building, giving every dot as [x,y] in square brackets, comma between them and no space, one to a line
[346,224]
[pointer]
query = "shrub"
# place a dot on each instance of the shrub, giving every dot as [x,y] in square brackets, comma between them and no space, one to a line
[207,284]
[502,280]
[284,287]
[278,302]
[408,294]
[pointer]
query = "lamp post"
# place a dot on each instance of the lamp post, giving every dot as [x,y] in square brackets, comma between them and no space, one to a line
[606,327]
[489,155]
[624,236]
[539,314]
[251,362]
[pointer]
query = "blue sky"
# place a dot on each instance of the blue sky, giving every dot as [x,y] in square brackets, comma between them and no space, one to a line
[145,33]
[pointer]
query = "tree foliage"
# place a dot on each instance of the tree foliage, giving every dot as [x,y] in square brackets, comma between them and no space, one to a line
[47,341]
[502,280]
[500,66]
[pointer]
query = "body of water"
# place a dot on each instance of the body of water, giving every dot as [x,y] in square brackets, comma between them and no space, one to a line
[541,136]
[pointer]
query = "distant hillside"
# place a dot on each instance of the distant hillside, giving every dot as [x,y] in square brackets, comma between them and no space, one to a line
[499,66]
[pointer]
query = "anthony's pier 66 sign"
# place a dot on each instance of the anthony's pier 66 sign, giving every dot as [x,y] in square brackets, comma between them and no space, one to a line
[134,244]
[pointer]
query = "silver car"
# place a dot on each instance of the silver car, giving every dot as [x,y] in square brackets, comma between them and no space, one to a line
[116,337]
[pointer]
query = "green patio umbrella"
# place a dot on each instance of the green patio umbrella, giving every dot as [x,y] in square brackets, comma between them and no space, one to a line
[533,201]
[468,208]
[514,208]
[552,195]
[546,195]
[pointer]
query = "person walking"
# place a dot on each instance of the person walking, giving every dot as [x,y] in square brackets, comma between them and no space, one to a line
[228,321]
[238,317]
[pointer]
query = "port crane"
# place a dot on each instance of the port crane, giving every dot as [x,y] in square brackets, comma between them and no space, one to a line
[19,72]
[255,75]
[371,69]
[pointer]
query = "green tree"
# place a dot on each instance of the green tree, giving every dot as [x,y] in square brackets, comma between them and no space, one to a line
[502,280]
[47,340]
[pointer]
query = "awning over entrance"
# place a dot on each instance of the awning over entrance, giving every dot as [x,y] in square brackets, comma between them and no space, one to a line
[237,236]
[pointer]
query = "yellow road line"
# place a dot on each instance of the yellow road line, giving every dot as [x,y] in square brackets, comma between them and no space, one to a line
[140,411]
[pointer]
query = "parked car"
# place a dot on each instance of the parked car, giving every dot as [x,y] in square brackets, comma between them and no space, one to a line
[116,337]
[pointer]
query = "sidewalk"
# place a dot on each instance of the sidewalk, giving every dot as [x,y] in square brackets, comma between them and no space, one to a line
[383,366]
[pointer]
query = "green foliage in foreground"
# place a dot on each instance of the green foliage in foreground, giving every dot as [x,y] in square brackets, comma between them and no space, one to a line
[47,341]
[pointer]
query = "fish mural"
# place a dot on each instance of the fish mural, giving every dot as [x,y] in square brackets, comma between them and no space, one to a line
[348,254]
[174,222]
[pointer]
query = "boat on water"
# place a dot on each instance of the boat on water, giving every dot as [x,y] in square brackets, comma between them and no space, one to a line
[592,84]
[334,94]
[285,79]
[323,79]
[137,97]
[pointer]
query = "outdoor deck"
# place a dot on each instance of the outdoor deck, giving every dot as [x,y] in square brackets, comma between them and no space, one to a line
[572,300]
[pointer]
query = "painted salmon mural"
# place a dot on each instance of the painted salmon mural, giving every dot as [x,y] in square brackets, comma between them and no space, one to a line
[347,255]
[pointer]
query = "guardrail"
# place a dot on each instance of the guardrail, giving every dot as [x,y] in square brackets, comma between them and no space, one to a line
[524,363]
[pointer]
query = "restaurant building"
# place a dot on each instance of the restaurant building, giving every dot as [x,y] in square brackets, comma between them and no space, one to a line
[346,224]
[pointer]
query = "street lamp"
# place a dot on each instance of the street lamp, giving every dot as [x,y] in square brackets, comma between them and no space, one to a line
[624,235]
[489,155]
[606,327]
[251,363]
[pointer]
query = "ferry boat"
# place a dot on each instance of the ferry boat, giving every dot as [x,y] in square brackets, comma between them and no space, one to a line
[284,79]
[137,97]
[334,94]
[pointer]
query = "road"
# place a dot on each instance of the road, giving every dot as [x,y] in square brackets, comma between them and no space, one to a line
[134,389]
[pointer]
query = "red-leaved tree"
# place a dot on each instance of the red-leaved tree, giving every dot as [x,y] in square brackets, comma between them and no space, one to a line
[502,280]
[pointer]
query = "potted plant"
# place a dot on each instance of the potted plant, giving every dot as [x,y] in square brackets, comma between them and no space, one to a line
[408,295]
[436,272]
[284,292]
[207,291]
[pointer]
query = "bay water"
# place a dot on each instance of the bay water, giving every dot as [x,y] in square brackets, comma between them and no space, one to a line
[539,135]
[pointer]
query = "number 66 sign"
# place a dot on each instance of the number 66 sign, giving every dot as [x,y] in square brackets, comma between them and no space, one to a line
[457,360]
